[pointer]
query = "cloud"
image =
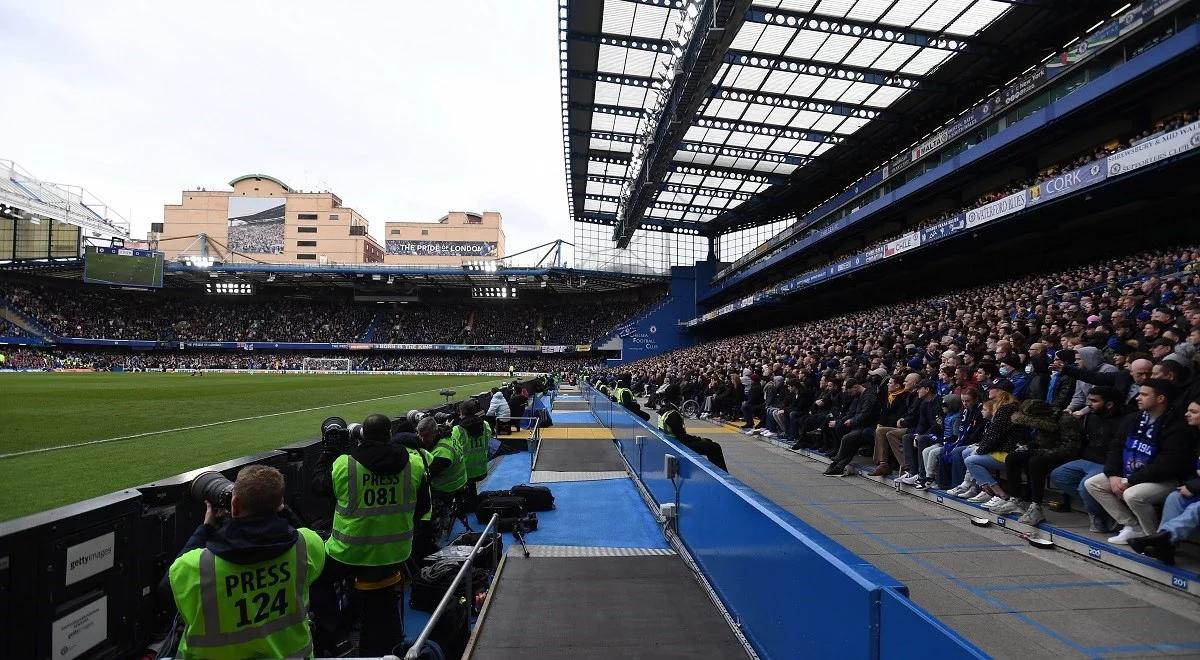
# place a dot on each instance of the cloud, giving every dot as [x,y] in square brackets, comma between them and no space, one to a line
[406,110]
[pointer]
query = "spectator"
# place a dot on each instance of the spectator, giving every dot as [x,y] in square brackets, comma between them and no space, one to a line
[1098,429]
[1181,510]
[1055,440]
[888,434]
[1153,453]
[999,438]
[855,427]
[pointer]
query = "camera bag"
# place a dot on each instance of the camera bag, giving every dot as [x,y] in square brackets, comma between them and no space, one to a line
[490,550]
[506,506]
[431,583]
[537,498]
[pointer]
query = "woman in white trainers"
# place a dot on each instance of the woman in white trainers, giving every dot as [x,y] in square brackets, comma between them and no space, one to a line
[999,438]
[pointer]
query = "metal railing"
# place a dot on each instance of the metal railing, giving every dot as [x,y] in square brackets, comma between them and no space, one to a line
[467,569]
[534,437]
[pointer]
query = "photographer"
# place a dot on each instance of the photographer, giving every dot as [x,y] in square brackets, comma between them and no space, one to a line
[517,404]
[472,435]
[380,494]
[624,397]
[242,587]
[447,471]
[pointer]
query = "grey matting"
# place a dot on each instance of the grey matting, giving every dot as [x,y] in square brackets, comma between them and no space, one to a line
[578,456]
[1007,598]
[601,607]
[569,405]
[546,476]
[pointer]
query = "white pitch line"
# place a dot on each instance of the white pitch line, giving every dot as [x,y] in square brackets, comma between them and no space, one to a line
[41,450]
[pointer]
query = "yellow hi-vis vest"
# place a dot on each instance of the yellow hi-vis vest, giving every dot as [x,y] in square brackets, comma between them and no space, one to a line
[474,449]
[662,422]
[453,478]
[233,611]
[621,392]
[373,516]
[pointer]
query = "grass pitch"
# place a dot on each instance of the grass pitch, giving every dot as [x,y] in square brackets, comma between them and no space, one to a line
[181,422]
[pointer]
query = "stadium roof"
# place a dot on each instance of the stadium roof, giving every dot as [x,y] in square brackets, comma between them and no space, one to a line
[371,278]
[707,115]
[36,199]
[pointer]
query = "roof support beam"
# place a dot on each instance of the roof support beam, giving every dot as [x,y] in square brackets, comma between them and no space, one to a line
[621,110]
[615,78]
[866,30]
[743,152]
[707,148]
[665,205]
[840,71]
[704,190]
[605,179]
[769,129]
[598,218]
[668,206]
[796,102]
[686,208]
[726,172]
[636,43]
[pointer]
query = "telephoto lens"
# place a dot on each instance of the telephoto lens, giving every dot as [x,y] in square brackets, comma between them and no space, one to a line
[214,488]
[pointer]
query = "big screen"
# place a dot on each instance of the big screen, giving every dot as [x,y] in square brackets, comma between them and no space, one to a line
[104,265]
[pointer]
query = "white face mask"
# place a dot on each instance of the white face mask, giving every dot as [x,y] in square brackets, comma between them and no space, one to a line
[1005,371]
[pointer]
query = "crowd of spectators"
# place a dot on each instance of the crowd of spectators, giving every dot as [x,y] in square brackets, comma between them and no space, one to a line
[261,238]
[1081,376]
[10,329]
[569,324]
[112,360]
[419,324]
[103,313]
[108,314]
[1085,157]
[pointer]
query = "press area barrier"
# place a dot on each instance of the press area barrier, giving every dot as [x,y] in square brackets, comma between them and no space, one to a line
[791,589]
[81,580]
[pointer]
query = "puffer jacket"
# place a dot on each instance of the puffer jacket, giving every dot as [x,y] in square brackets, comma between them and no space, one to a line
[1053,432]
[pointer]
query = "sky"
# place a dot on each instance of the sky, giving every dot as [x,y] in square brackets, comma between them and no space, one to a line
[404,109]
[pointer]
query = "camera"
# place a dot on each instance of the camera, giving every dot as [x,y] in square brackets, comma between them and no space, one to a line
[338,437]
[212,487]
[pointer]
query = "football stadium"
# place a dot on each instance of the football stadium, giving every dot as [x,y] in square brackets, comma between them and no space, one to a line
[872,330]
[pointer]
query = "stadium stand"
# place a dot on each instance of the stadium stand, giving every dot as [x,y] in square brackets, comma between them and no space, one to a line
[103,314]
[1084,158]
[1046,338]
[48,359]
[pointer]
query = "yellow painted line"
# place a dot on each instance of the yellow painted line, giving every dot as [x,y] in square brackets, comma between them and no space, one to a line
[576,433]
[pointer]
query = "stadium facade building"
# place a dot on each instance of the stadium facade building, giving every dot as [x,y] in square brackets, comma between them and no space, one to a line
[456,237]
[264,219]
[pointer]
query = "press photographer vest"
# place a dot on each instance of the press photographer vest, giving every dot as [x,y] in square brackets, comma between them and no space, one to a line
[253,610]
[426,458]
[474,449]
[662,422]
[373,516]
[454,477]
